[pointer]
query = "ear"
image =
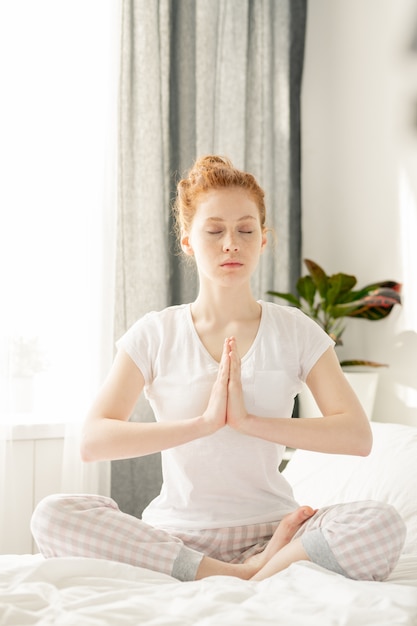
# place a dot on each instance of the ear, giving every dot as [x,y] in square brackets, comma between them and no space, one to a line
[185,244]
[264,240]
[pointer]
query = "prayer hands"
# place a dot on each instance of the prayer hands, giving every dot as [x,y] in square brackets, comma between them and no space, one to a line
[215,413]
[226,404]
[236,413]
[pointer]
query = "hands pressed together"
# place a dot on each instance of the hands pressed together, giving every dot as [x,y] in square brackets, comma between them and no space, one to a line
[226,405]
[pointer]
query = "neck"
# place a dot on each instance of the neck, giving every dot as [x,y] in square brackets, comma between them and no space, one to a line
[225,304]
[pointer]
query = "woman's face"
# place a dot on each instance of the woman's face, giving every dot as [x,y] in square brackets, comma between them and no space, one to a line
[226,237]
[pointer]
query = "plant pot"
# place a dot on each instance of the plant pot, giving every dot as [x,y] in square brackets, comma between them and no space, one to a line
[364,384]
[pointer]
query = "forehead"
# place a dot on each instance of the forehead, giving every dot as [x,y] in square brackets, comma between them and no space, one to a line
[232,204]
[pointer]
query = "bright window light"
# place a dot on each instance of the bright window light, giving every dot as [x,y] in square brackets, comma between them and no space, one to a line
[56,138]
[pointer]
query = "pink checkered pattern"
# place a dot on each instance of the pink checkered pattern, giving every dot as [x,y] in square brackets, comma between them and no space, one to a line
[93,526]
[366,538]
[231,545]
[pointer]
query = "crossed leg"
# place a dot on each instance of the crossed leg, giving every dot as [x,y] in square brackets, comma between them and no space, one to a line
[278,554]
[66,525]
[93,526]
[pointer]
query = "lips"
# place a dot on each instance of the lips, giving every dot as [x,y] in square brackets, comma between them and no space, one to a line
[231,263]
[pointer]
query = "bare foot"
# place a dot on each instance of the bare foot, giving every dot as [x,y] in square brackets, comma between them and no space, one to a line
[269,561]
[286,530]
[291,553]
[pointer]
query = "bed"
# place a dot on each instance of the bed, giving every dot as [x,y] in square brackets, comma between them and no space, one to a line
[84,592]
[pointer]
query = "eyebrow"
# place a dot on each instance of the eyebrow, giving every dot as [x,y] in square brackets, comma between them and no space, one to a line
[221,219]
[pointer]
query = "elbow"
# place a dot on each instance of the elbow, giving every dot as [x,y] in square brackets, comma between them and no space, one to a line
[365,442]
[85,452]
[87,449]
[367,450]
[91,440]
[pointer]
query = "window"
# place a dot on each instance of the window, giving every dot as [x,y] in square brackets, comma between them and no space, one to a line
[56,210]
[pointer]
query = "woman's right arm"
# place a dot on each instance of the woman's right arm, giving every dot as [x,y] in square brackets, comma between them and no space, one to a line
[108,435]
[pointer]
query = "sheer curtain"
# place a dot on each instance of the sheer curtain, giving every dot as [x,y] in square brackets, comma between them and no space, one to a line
[200,77]
[57,241]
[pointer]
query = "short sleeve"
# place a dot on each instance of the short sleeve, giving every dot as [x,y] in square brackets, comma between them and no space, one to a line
[138,343]
[313,342]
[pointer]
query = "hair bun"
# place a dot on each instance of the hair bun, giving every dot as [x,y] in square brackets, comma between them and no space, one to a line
[214,158]
[211,161]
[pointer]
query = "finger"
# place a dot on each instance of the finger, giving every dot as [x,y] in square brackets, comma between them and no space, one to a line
[233,347]
[224,367]
[234,360]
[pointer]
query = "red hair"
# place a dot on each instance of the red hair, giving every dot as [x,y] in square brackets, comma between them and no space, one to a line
[209,173]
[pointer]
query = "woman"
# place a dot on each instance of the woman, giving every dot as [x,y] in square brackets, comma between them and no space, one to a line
[221,375]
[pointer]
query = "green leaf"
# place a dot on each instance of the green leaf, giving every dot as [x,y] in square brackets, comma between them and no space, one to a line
[339,285]
[307,289]
[393,287]
[289,297]
[355,362]
[375,306]
[318,276]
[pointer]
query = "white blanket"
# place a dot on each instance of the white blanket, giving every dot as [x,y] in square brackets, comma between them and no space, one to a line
[84,592]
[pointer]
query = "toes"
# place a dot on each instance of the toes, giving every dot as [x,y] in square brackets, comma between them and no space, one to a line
[307,512]
[300,516]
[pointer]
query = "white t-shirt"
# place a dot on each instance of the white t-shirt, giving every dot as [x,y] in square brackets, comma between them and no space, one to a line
[226,479]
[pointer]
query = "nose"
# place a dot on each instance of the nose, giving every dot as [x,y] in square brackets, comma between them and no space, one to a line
[230,244]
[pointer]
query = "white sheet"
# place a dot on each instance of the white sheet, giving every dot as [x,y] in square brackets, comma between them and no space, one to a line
[90,592]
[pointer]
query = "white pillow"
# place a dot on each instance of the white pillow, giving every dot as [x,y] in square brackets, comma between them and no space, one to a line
[388,474]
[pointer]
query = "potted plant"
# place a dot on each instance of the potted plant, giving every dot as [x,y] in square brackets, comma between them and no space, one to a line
[329,300]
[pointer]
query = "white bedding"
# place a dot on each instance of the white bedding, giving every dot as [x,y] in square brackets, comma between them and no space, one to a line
[84,592]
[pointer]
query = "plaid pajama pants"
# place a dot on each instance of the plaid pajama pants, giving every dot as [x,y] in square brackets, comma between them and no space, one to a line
[360,540]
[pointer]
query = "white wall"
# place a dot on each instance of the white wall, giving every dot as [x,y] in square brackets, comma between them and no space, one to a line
[359,83]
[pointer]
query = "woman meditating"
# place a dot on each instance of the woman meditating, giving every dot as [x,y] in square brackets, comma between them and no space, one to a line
[221,375]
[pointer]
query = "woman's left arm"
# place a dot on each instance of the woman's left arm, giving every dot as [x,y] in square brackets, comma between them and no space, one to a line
[343,429]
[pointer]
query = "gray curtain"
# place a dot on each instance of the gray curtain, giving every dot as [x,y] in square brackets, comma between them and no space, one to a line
[201,77]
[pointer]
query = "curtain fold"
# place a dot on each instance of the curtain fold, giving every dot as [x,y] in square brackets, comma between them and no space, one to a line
[201,77]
